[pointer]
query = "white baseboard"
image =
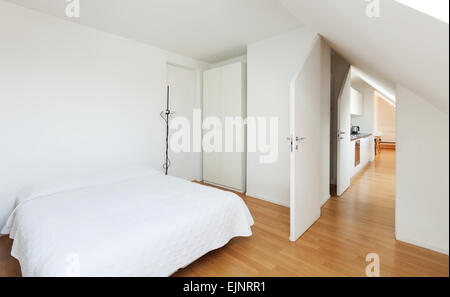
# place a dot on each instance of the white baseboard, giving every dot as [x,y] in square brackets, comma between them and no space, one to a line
[423,245]
[324,201]
[268,200]
[282,203]
[224,187]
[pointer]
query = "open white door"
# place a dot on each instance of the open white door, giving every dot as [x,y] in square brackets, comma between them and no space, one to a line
[305,145]
[344,150]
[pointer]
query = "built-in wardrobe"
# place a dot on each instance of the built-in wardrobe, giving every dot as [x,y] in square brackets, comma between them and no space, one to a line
[224,97]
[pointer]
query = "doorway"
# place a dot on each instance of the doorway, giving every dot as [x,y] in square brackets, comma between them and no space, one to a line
[183,86]
[362,124]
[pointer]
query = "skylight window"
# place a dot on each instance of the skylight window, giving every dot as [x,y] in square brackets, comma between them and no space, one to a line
[435,8]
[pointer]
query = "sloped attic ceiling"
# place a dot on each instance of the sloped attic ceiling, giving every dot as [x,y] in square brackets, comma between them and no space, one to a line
[207,30]
[403,45]
[387,89]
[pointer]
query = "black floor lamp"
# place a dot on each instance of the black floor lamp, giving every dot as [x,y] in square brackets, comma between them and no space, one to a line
[166,114]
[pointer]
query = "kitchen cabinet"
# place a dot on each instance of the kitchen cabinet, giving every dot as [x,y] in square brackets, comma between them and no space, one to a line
[362,150]
[357,152]
[377,145]
[357,102]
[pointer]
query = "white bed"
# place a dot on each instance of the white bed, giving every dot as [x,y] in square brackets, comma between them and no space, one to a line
[133,223]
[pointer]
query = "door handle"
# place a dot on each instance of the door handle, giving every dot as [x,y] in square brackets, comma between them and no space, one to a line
[291,142]
[298,139]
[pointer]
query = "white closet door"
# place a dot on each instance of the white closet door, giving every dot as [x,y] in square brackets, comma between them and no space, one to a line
[224,96]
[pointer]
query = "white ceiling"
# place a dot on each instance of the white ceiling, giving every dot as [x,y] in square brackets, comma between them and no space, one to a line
[402,46]
[385,88]
[207,30]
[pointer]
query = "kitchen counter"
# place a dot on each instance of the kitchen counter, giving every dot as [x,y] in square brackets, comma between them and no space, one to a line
[359,136]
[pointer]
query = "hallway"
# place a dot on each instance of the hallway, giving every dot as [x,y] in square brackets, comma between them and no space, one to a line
[360,222]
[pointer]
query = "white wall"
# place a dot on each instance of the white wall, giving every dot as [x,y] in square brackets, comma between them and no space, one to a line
[272,64]
[422,195]
[74,100]
[242,59]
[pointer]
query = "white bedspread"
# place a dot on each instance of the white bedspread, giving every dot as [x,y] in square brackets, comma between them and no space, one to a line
[143,224]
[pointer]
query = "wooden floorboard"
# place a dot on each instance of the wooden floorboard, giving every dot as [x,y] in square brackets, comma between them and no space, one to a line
[360,222]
